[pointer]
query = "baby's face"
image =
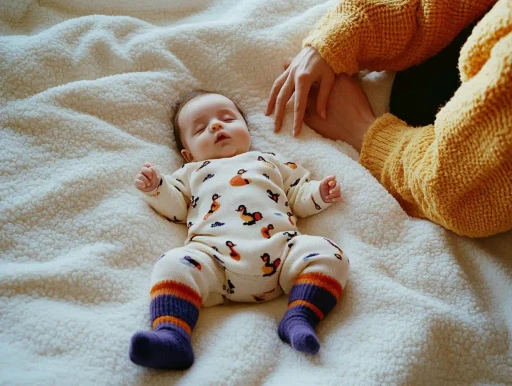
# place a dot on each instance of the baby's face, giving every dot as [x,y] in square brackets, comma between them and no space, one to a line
[212,127]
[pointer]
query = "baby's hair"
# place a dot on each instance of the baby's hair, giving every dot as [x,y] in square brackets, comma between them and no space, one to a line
[179,105]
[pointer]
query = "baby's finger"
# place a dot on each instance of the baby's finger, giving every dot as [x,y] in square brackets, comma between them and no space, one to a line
[139,184]
[146,172]
[144,180]
[336,197]
[327,180]
[154,175]
[335,191]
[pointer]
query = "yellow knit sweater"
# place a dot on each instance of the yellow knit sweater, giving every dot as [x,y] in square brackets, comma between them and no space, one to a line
[458,171]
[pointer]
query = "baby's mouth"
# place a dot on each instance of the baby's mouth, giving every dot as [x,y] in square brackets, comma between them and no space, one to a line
[221,137]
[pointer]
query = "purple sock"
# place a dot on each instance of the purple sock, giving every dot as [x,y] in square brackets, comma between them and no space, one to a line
[174,311]
[312,297]
[297,329]
[168,347]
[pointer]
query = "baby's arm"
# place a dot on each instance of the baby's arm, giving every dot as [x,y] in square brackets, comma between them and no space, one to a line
[307,197]
[168,195]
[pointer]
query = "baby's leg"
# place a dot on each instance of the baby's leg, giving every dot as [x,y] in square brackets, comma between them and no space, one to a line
[183,279]
[314,274]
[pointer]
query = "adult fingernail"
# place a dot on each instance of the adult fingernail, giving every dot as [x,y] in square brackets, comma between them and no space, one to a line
[322,114]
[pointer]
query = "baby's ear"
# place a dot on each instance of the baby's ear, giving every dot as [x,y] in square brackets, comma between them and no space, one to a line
[187,155]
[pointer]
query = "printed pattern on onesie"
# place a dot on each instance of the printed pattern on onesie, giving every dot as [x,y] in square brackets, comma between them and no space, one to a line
[241,211]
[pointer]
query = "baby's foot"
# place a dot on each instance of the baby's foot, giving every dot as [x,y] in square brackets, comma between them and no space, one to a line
[296,330]
[165,348]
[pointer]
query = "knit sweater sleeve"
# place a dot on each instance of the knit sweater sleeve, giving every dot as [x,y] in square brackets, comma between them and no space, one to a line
[390,35]
[458,171]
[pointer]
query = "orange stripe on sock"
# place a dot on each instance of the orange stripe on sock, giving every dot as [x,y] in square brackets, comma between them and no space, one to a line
[179,294]
[172,319]
[321,280]
[309,305]
[177,289]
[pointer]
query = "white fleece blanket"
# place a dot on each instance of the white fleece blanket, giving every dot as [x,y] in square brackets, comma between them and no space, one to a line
[86,94]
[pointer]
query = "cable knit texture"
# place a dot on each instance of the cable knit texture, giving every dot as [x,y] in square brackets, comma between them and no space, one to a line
[458,171]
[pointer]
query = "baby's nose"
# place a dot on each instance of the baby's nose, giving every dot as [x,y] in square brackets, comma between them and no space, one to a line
[216,126]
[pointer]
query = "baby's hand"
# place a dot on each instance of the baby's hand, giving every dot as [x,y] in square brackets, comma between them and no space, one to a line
[330,189]
[147,179]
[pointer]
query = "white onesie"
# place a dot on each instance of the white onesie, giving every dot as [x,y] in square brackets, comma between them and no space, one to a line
[243,242]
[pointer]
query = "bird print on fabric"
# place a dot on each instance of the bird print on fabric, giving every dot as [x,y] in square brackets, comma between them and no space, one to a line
[247,217]
[265,231]
[269,268]
[214,206]
[232,252]
[238,180]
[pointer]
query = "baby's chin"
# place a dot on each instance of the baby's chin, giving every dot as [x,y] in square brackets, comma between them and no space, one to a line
[225,152]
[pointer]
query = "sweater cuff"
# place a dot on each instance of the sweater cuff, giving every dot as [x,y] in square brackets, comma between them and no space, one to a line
[383,137]
[336,38]
[323,45]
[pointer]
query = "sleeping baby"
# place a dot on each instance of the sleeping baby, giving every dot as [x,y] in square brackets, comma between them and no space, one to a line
[243,244]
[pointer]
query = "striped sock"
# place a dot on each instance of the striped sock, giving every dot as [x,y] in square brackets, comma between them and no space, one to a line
[312,297]
[174,311]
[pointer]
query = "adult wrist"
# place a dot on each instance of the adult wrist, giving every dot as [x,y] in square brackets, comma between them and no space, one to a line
[364,126]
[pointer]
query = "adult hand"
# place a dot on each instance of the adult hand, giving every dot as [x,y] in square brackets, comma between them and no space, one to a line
[305,69]
[349,113]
